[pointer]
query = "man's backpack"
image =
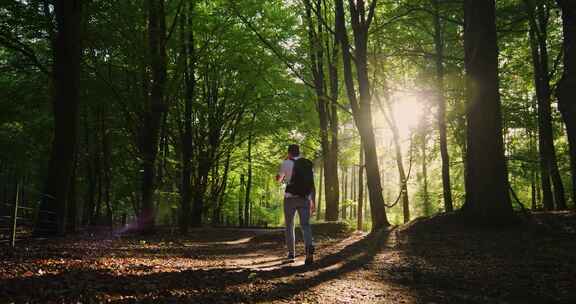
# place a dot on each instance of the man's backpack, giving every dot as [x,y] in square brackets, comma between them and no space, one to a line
[302,180]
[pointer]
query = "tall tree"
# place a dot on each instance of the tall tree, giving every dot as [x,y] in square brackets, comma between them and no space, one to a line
[440,96]
[247,199]
[361,104]
[403,182]
[67,52]
[486,172]
[538,19]
[566,90]
[323,52]
[155,110]
[331,178]
[189,54]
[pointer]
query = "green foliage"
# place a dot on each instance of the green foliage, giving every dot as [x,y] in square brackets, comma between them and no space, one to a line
[252,72]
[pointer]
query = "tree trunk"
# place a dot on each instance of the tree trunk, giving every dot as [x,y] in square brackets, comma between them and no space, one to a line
[361,107]
[332,193]
[200,184]
[154,112]
[316,39]
[400,165]
[533,191]
[220,197]
[188,52]
[72,207]
[67,53]
[425,195]
[351,192]
[331,167]
[487,185]
[360,222]
[106,166]
[319,200]
[331,178]
[366,130]
[98,172]
[439,44]
[240,201]
[247,201]
[345,193]
[538,20]
[353,183]
[566,90]
[366,199]
[89,200]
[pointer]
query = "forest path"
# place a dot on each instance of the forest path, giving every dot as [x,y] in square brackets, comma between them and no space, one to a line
[428,261]
[206,266]
[347,270]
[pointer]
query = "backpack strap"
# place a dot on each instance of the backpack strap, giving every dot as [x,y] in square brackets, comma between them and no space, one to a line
[292,175]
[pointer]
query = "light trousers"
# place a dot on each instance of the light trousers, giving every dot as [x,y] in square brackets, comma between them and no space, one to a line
[302,206]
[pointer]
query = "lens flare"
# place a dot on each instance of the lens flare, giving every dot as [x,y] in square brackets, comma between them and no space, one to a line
[408,111]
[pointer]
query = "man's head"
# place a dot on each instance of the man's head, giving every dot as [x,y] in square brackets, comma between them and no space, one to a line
[294,150]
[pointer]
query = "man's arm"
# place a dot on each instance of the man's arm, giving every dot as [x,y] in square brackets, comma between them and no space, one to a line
[312,199]
[281,173]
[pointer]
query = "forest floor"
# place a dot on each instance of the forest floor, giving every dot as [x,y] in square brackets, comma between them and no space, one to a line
[436,260]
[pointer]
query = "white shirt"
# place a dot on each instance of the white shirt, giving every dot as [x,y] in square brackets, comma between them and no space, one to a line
[285,172]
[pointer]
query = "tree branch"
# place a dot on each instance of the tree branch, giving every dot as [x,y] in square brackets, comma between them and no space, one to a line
[17,46]
[269,45]
[371,13]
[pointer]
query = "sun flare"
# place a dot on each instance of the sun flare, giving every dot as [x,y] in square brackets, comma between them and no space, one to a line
[408,112]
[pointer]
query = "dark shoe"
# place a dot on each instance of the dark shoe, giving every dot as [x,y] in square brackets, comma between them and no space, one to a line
[309,256]
[290,258]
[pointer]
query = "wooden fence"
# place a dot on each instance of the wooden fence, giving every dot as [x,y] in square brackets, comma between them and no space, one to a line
[20,221]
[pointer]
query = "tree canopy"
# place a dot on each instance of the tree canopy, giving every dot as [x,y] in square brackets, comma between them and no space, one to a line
[179,112]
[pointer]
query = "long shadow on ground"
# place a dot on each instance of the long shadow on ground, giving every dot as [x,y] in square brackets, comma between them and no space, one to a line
[217,285]
[196,245]
[446,261]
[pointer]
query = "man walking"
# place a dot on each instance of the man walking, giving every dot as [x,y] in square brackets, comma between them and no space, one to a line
[296,172]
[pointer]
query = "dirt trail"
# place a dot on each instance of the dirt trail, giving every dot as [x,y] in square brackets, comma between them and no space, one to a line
[420,263]
[215,265]
[346,272]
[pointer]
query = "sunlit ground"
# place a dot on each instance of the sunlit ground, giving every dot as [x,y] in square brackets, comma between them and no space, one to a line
[429,261]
